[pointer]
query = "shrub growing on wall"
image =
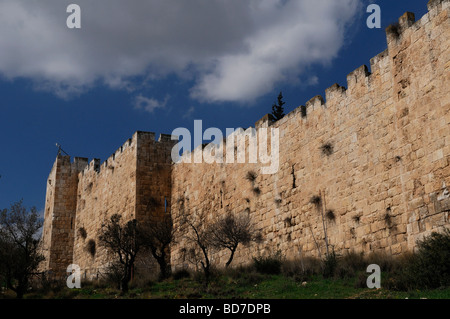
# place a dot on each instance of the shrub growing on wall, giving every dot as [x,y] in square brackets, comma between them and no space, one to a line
[90,247]
[82,232]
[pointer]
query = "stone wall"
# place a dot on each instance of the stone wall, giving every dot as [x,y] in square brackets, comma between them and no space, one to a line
[377,153]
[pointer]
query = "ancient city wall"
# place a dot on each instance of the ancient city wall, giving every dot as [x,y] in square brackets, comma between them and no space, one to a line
[377,153]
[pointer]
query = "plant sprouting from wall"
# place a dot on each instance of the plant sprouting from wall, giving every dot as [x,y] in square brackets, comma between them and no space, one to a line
[388,219]
[356,218]
[278,201]
[288,222]
[251,176]
[316,200]
[90,247]
[327,149]
[330,215]
[394,29]
[82,232]
[319,202]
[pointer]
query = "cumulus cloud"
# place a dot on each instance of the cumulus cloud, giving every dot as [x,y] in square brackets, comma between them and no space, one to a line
[234,50]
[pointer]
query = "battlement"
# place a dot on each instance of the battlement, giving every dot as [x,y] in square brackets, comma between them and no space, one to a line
[131,144]
[379,62]
[358,80]
[437,6]
[380,66]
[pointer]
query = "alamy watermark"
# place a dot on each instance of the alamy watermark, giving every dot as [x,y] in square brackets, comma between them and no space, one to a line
[74,279]
[233,151]
[374,19]
[374,280]
[74,19]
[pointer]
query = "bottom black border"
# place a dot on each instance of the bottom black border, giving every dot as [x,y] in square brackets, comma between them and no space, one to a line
[172,308]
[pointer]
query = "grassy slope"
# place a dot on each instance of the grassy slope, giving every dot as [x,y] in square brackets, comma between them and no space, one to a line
[252,287]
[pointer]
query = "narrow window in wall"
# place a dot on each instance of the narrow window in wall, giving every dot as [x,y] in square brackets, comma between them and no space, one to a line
[221,199]
[303,110]
[71,222]
[165,204]
[293,177]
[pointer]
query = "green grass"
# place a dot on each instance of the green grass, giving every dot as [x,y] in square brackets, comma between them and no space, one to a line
[246,285]
[273,277]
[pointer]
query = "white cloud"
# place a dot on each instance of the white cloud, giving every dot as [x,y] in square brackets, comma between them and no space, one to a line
[309,32]
[313,80]
[189,112]
[149,104]
[234,50]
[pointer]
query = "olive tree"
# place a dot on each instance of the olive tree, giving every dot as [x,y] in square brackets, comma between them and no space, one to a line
[158,235]
[231,230]
[124,240]
[19,246]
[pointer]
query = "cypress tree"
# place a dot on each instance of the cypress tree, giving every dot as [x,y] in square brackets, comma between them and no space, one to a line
[278,109]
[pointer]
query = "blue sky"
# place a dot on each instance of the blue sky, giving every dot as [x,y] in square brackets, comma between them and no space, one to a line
[159,67]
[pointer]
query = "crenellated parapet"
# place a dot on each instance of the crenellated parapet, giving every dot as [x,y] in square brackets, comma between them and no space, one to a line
[132,144]
[382,66]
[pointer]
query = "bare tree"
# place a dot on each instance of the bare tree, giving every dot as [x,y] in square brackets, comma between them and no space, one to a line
[200,235]
[19,246]
[230,231]
[321,207]
[158,235]
[124,240]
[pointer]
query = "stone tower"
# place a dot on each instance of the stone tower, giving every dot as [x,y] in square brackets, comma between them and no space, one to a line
[135,182]
[60,210]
